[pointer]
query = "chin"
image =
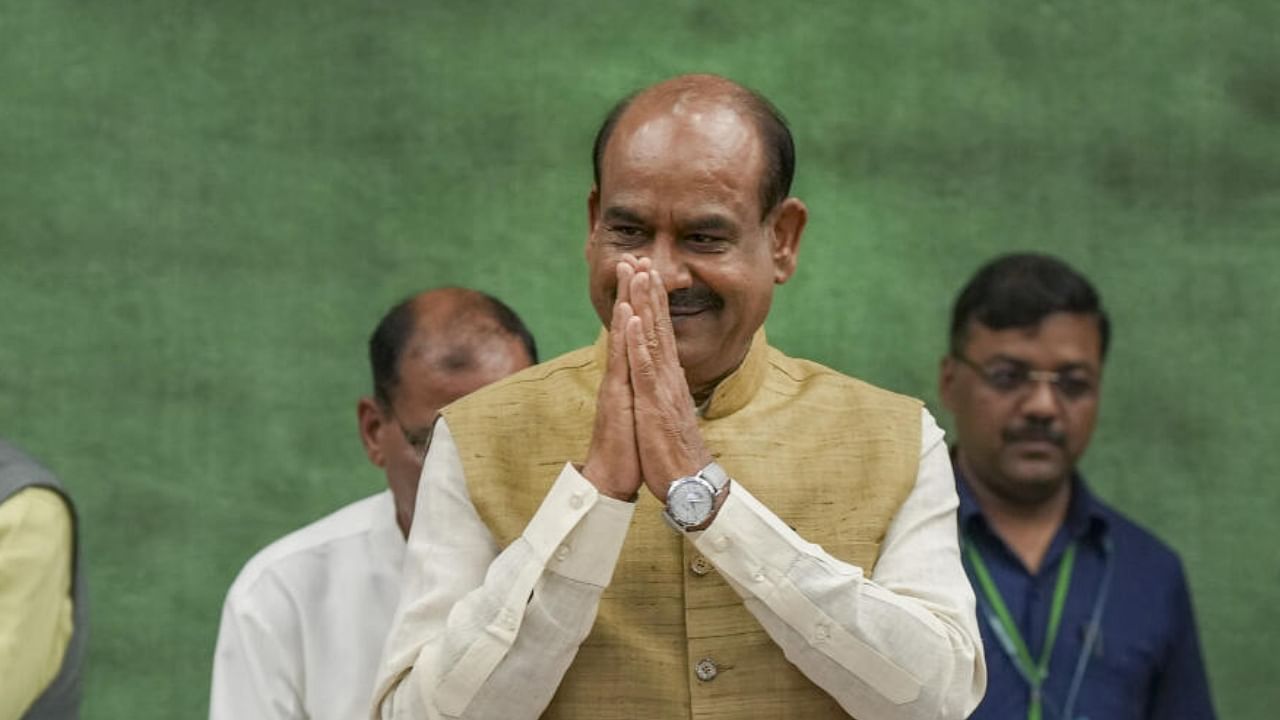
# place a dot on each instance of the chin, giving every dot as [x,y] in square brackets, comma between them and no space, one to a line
[1034,485]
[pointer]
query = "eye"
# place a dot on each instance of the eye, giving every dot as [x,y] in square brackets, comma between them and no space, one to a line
[627,235]
[705,243]
[626,230]
[1006,377]
[419,440]
[1074,386]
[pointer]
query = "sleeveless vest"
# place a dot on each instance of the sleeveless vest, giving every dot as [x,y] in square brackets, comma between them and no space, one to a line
[833,457]
[61,699]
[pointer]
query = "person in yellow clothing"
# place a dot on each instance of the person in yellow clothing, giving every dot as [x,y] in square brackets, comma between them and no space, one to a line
[42,608]
[682,521]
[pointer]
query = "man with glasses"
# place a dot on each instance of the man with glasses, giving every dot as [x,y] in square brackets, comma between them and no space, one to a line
[304,623]
[1083,613]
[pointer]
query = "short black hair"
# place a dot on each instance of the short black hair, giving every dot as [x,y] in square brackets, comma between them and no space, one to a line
[1019,290]
[397,326]
[771,125]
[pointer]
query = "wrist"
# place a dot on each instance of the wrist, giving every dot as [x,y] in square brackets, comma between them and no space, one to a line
[595,476]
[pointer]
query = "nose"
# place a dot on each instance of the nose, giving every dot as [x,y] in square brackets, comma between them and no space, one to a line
[1041,399]
[670,263]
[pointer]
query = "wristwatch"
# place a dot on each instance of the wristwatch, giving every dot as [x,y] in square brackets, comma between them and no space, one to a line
[691,499]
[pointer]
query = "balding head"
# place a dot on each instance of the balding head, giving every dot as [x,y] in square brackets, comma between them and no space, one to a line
[693,175]
[428,351]
[711,97]
[446,331]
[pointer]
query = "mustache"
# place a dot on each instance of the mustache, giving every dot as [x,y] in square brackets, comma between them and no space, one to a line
[693,299]
[1034,432]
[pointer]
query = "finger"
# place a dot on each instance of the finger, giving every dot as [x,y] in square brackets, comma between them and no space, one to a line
[617,368]
[625,273]
[663,328]
[642,292]
[639,359]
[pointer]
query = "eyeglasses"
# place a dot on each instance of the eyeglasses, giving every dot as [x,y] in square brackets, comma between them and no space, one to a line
[1011,378]
[419,440]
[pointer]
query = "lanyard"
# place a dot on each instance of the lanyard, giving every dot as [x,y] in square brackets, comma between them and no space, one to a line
[1033,671]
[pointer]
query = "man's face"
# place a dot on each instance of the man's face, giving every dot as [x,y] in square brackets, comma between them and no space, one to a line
[1021,443]
[681,187]
[394,437]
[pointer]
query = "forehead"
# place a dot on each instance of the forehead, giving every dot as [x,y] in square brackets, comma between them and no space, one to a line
[695,151]
[1059,339]
[425,386]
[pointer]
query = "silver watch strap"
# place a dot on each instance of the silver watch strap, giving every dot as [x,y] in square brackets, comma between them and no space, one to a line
[715,475]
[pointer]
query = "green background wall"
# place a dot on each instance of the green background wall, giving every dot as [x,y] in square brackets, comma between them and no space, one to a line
[205,207]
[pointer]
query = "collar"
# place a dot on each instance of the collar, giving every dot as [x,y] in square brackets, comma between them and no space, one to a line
[734,392]
[1085,515]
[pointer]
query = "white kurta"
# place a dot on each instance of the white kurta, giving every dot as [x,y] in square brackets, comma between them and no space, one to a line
[304,622]
[485,632]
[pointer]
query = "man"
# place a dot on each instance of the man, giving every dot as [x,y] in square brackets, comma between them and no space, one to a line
[1083,613]
[304,622]
[43,606]
[813,568]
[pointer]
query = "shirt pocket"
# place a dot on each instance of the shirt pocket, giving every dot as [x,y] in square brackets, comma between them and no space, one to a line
[1117,682]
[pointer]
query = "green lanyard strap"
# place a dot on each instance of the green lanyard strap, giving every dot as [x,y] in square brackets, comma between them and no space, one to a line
[1033,671]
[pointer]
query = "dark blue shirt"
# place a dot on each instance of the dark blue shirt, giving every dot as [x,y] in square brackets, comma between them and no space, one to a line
[1145,663]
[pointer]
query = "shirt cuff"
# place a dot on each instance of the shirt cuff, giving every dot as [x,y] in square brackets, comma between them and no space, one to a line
[744,522]
[578,532]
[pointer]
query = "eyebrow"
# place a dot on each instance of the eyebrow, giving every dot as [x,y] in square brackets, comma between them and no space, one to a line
[620,214]
[1065,367]
[711,222]
[704,223]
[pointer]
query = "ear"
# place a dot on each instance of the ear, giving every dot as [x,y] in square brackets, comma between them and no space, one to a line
[946,381]
[371,423]
[788,224]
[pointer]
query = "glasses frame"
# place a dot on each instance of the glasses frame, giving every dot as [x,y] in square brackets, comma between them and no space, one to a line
[419,445]
[1060,381]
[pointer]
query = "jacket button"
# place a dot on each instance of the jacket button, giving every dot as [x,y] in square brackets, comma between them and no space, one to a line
[700,566]
[706,670]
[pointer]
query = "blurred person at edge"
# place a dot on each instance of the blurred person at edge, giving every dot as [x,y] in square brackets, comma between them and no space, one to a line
[1083,613]
[304,622]
[43,600]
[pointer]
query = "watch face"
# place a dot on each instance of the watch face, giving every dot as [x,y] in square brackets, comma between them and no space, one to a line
[689,503]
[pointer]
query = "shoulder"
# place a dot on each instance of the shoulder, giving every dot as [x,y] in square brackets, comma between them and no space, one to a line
[36,508]
[285,565]
[36,526]
[1137,550]
[796,374]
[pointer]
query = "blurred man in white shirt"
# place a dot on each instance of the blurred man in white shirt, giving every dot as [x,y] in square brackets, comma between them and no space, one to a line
[304,622]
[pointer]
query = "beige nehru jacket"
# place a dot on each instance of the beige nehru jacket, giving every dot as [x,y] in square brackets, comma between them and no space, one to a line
[785,625]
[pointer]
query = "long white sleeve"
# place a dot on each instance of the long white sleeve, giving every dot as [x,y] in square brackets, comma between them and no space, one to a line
[254,674]
[483,634]
[902,644]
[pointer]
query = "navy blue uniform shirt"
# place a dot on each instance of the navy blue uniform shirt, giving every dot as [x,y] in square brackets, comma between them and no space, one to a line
[1145,663]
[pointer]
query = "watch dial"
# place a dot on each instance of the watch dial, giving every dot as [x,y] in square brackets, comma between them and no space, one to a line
[690,504]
